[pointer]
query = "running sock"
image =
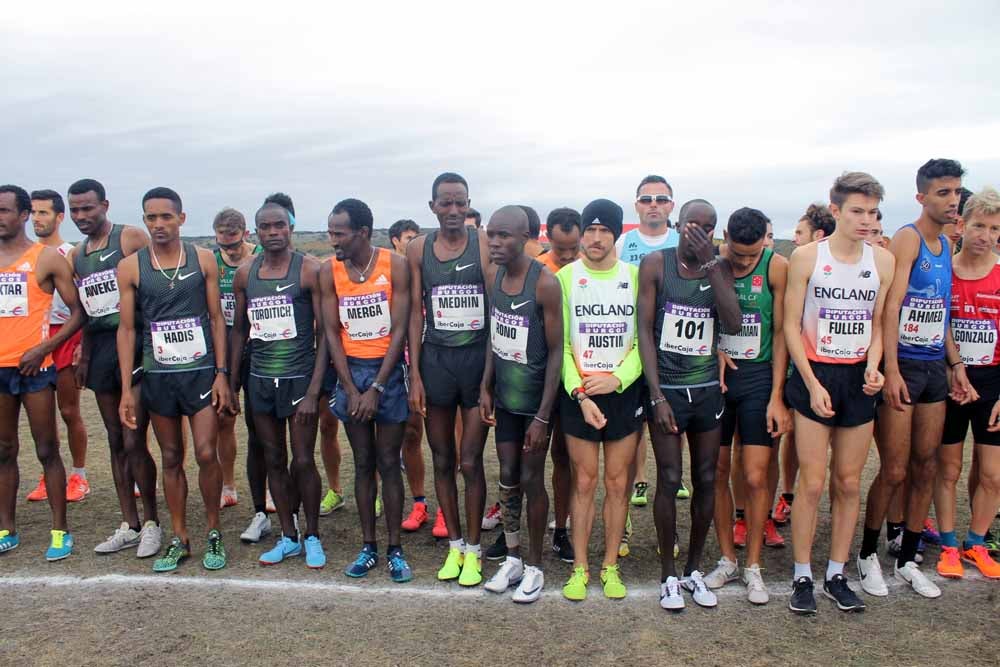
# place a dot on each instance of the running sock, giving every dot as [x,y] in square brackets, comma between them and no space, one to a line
[892,529]
[457,544]
[393,548]
[420,499]
[974,539]
[136,528]
[371,546]
[259,509]
[833,568]
[789,497]
[948,539]
[803,570]
[559,532]
[474,549]
[82,472]
[908,550]
[308,535]
[739,514]
[869,542]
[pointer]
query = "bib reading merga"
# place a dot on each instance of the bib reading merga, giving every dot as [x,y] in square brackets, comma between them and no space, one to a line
[365,317]
[458,307]
[272,318]
[13,293]
[178,342]
[509,336]
[844,333]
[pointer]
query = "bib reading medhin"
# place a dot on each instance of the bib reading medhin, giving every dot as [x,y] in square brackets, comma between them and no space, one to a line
[228,307]
[13,294]
[745,344]
[687,330]
[509,336]
[844,333]
[458,307]
[272,318]
[976,340]
[178,342]
[921,321]
[99,293]
[365,317]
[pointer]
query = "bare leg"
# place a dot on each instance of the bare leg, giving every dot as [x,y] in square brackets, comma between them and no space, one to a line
[68,397]
[584,458]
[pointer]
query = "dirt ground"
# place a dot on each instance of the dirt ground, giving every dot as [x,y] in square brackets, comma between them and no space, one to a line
[108,610]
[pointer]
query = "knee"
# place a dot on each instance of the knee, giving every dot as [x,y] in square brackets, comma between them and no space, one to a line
[472,466]
[532,473]
[47,450]
[989,480]
[846,487]
[274,457]
[388,463]
[509,473]
[668,478]
[723,469]
[70,413]
[893,473]
[364,465]
[615,487]
[206,454]
[585,481]
[810,488]
[755,479]
[949,472]
[172,459]
[327,424]
[303,463]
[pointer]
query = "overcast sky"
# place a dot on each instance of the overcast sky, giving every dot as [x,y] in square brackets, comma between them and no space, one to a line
[540,103]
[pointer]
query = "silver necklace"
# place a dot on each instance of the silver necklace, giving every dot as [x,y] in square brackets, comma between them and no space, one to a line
[159,267]
[370,260]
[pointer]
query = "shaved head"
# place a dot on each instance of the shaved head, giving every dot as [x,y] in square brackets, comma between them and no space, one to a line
[512,217]
[697,206]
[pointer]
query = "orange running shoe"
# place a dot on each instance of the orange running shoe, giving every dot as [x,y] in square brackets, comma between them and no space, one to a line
[772,537]
[440,529]
[949,564]
[39,492]
[740,533]
[77,488]
[418,517]
[980,557]
[782,511]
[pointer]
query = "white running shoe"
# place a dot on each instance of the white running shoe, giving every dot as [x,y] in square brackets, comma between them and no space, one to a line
[670,595]
[912,575]
[695,584]
[259,528]
[895,545]
[510,574]
[150,540]
[723,573]
[870,574]
[530,588]
[552,524]
[123,538]
[491,518]
[756,590]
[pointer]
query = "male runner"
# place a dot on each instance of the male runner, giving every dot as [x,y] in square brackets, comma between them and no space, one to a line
[31,273]
[911,419]
[533,248]
[95,265]
[755,363]
[447,269]
[973,356]
[278,308]
[519,389]
[473,218]
[175,286]
[47,212]
[601,402]
[366,309]
[833,330]
[686,296]
[878,235]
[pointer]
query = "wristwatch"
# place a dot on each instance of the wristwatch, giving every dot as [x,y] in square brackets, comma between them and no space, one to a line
[221,370]
[379,387]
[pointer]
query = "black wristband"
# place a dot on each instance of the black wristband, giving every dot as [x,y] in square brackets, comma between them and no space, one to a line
[221,370]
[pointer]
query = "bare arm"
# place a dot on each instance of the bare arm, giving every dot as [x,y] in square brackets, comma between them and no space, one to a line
[414,255]
[778,276]
[128,282]
[905,246]
[221,396]
[650,275]
[885,263]
[800,267]
[727,304]
[132,239]
[240,329]
[399,317]
[331,326]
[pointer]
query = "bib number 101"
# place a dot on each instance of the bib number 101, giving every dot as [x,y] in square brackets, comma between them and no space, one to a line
[689,329]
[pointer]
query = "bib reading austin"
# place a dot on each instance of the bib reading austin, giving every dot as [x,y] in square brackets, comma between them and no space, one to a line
[610,340]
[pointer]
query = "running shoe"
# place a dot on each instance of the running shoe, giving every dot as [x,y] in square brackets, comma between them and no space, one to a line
[176,552]
[39,493]
[639,498]
[284,548]
[215,553]
[366,560]
[418,517]
[980,557]
[135,491]
[378,507]
[992,543]
[150,540]
[259,528]
[552,524]
[452,567]
[530,588]
[472,570]
[772,537]
[930,534]
[492,517]
[802,601]
[440,529]
[9,541]
[623,550]
[497,550]
[694,583]
[77,488]
[950,563]
[724,572]
[912,575]
[740,533]
[870,575]
[123,538]
[837,590]
[399,569]
[895,545]
[60,547]
[562,545]
[331,502]
[229,497]
[576,588]
[510,574]
[612,580]
[756,590]
[269,506]
[670,595]
[315,556]
[782,511]
[683,492]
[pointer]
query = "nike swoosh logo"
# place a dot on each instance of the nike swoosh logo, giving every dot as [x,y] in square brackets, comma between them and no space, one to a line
[463,267]
[297,400]
[282,288]
[721,412]
[185,276]
[105,257]
[533,591]
[515,306]
[205,395]
[704,287]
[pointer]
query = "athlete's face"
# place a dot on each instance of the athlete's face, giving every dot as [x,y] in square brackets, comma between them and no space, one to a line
[857,216]
[162,220]
[803,233]
[274,233]
[12,221]
[953,230]
[506,236]
[450,205]
[699,216]
[399,245]
[940,202]
[875,234]
[654,213]
[564,246]
[346,240]
[44,218]
[980,234]
[744,257]
[230,239]
[88,212]
[598,242]
[769,237]
[470,221]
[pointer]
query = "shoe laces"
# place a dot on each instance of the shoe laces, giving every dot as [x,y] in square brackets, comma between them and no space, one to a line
[980,551]
[753,579]
[673,585]
[364,558]
[696,580]
[397,562]
[175,549]
[578,574]
[215,544]
[57,538]
[949,555]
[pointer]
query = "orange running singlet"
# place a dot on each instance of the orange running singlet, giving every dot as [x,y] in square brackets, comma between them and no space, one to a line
[364,308]
[24,309]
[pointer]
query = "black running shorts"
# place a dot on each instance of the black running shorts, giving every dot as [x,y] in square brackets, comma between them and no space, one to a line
[986,380]
[623,413]
[748,391]
[696,409]
[175,394]
[844,383]
[451,375]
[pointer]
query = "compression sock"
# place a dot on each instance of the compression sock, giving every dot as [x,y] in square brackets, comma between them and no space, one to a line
[869,542]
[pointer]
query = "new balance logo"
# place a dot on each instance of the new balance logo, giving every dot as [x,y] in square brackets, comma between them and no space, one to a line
[104,257]
[622,285]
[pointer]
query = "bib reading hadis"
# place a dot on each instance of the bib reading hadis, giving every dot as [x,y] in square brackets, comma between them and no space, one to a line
[178,342]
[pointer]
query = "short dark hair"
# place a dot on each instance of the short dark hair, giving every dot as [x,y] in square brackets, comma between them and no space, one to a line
[228,221]
[819,218]
[964,195]
[400,226]
[473,213]
[85,185]
[447,177]
[937,168]
[282,200]
[855,183]
[747,226]
[878,215]
[58,205]
[164,193]
[534,222]
[564,218]
[358,213]
[21,197]
[653,178]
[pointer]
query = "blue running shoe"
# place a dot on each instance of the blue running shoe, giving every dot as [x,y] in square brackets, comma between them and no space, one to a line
[399,569]
[315,556]
[284,548]
[366,560]
[61,546]
[8,541]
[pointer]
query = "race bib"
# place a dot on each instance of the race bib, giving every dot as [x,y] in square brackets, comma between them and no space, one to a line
[178,342]
[365,317]
[976,340]
[509,337]
[13,294]
[99,293]
[843,333]
[921,321]
[458,307]
[687,330]
[745,344]
[228,307]
[272,318]
[605,345]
